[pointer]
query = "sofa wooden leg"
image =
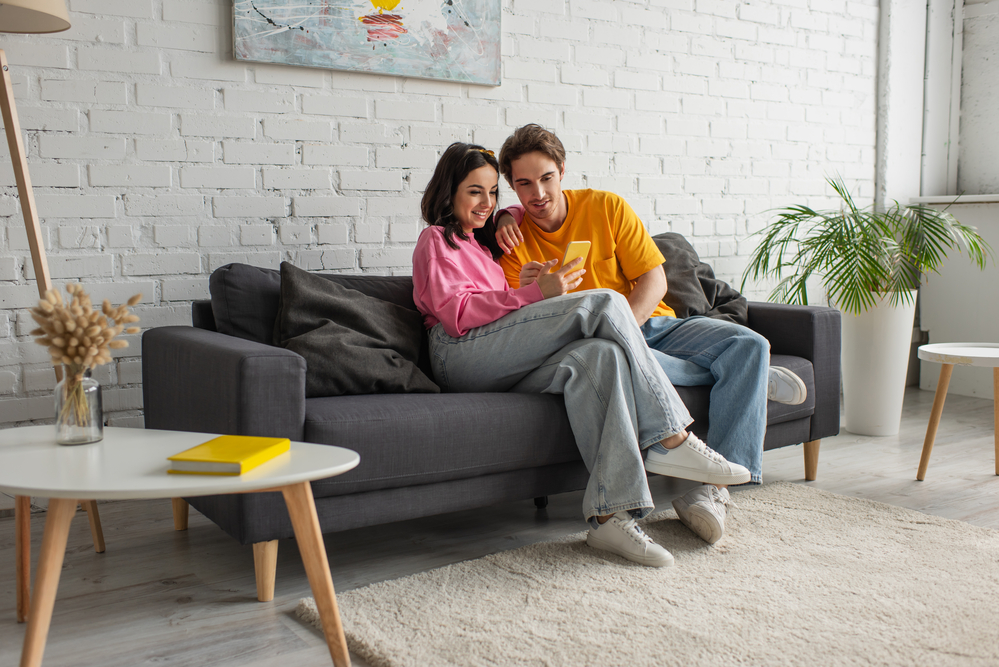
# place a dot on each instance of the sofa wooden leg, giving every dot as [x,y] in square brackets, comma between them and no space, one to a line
[265,567]
[181,510]
[812,460]
[541,502]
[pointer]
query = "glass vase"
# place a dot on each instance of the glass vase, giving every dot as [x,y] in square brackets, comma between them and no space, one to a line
[78,407]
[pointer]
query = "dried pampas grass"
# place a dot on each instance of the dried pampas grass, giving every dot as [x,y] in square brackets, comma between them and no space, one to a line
[76,334]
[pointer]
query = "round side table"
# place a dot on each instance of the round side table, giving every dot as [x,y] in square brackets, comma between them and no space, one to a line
[950,355]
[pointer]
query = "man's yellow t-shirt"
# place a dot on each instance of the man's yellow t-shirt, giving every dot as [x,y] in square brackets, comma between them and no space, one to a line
[621,249]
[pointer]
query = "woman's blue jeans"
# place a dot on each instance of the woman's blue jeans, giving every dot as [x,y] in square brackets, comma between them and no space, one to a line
[733,359]
[588,348]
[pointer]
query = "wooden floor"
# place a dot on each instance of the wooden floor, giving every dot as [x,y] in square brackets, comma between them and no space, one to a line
[188,598]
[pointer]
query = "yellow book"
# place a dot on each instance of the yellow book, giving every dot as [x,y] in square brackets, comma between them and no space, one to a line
[228,455]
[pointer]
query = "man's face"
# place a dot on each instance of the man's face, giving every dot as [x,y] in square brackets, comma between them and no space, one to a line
[537,180]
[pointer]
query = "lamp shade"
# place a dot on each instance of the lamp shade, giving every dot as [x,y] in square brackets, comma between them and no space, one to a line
[33,16]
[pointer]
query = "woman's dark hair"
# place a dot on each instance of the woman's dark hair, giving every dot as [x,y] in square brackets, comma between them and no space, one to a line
[437,206]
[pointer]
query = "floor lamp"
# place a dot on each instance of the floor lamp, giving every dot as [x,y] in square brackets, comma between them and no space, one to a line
[31,16]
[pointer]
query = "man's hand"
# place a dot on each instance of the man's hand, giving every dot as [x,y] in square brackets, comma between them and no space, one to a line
[558,282]
[508,234]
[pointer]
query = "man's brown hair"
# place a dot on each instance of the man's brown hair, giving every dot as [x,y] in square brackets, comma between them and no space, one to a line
[529,139]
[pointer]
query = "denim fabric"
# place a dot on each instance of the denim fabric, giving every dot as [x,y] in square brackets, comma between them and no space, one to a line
[735,361]
[588,348]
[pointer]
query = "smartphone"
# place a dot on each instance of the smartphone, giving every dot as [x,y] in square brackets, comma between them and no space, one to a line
[573,250]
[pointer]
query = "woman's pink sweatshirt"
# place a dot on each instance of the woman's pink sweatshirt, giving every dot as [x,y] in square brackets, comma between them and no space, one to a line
[464,288]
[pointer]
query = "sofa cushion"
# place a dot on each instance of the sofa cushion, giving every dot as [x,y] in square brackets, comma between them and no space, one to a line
[245,298]
[780,412]
[245,301]
[352,343]
[410,439]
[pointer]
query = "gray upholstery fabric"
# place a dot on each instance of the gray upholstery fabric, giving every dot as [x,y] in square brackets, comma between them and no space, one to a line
[259,517]
[691,286]
[245,301]
[353,344]
[195,380]
[202,316]
[409,439]
[813,333]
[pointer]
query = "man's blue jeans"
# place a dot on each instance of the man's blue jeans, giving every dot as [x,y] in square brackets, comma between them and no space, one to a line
[588,348]
[733,359]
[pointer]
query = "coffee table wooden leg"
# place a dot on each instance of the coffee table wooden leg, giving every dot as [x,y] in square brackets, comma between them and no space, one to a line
[305,521]
[59,516]
[181,511]
[95,524]
[995,412]
[931,428]
[22,548]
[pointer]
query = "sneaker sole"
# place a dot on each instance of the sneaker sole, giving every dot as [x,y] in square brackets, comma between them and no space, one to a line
[700,521]
[796,381]
[697,475]
[604,546]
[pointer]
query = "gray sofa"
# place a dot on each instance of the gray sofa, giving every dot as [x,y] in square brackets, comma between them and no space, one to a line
[421,453]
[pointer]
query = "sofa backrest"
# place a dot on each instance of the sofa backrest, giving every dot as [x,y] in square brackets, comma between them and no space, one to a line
[245,298]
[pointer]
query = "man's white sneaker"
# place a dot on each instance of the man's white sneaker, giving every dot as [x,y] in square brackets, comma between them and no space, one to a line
[783,386]
[703,510]
[695,460]
[622,536]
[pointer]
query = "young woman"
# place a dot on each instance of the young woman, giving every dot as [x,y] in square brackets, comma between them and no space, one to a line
[485,336]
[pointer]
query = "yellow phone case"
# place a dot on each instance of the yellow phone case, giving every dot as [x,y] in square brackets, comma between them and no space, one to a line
[576,249]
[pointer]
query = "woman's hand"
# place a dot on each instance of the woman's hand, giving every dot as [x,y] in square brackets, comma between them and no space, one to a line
[558,282]
[508,234]
[529,272]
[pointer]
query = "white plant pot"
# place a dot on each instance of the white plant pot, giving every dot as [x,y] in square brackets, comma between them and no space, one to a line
[875,359]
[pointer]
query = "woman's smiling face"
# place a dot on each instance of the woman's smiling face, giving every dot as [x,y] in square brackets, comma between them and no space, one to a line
[475,198]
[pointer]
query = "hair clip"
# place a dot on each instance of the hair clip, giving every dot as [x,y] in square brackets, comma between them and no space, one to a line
[486,151]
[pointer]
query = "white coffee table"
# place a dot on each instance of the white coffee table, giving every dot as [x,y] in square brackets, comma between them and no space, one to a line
[131,463]
[950,355]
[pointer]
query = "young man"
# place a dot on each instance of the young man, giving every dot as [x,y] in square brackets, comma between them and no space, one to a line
[623,257]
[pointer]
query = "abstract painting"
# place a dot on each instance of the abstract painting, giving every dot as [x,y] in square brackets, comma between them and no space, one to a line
[456,40]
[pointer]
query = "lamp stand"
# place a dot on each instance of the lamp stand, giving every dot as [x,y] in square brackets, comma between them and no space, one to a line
[22,504]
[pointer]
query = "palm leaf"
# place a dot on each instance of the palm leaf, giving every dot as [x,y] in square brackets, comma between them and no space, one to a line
[860,253]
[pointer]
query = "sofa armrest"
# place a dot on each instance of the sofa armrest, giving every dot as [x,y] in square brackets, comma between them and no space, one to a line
[812,332]
[197,380]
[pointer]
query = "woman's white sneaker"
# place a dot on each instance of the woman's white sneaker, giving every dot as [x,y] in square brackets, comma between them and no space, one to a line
[695,460]
[622,536]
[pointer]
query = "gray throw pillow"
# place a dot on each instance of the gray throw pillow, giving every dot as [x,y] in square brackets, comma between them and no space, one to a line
[352,343]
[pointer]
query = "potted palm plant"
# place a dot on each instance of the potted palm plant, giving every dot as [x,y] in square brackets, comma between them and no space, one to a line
[870,263]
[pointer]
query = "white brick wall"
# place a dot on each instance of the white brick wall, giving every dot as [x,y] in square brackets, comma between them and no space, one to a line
[157,158]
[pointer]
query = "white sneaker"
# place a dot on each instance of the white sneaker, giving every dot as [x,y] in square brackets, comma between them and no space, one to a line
[703,510]
[695,460]
[783,386]
[622,536]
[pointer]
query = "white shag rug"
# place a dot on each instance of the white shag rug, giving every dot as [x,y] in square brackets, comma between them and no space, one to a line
[802,577]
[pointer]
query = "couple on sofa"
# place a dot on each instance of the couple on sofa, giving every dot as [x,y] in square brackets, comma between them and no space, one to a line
[504,317]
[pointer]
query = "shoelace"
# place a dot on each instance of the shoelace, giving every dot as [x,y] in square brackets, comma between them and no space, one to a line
[633,531]
[698,446]
[723,498]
